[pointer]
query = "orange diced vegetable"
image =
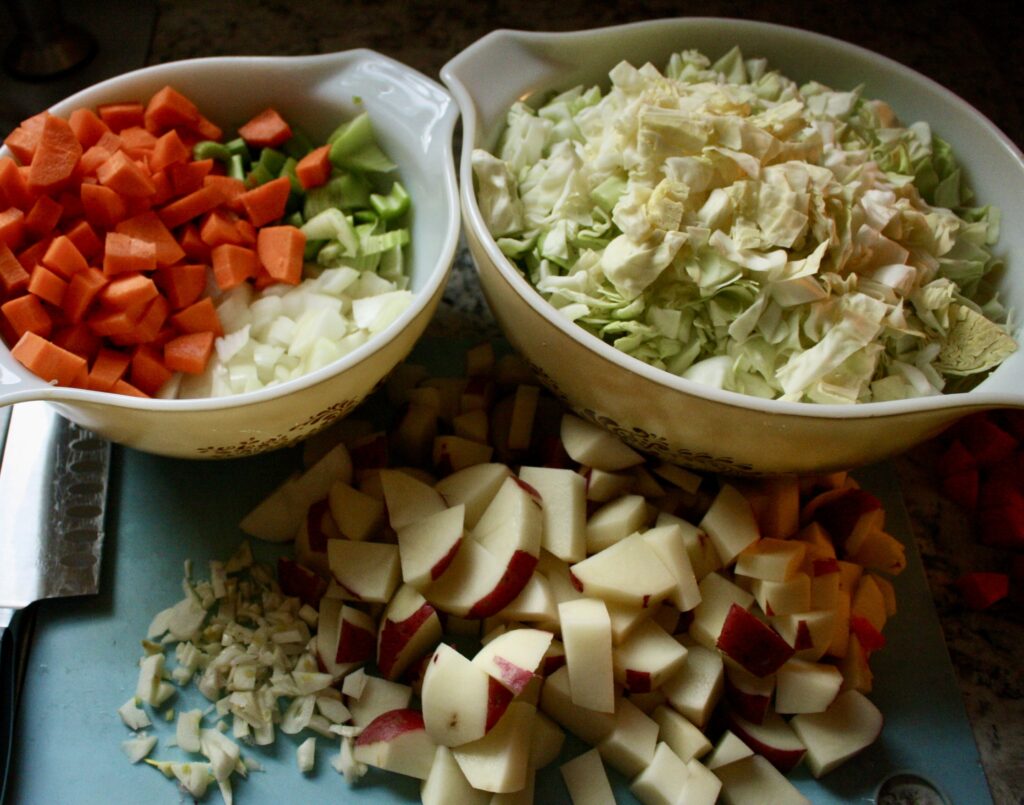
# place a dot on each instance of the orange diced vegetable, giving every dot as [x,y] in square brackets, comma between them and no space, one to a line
[125,253]
[233,265]
[12,227]
[267,202]
[188,177]
[103,206]
[315,168]
[128,290]
[198,317]
[13,185]
[81,292]
[219,227]
[13,276]
[122,115]
[56,155]
[85,239]
[168,150]
[77,338]
[50,362]
[47,285]
[267,129]
[26,314]
[280,250]
[87,126]
[182,284]
[148,325]
[43,216]
[189,353]
[167,109]
[123,175]
[64,258]
[191,206]
[149,227]
[108,367]
[148,372]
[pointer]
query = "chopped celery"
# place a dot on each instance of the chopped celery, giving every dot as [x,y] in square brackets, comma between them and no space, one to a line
[239,146]
[332,224]
[299,145]
[211,149]
[236,167]
[258,175]
[346,191]
[393,205]
[272,159]
[353,147]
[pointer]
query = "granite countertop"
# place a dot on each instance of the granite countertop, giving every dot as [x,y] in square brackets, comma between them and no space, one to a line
[970,48]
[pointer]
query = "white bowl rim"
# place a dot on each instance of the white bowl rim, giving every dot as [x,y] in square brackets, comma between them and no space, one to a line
[974,399]
[437,277]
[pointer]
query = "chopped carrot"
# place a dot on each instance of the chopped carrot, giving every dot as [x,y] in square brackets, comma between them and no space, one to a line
[148,372]
[188,177]
[182,284]
[122,115]
[98,153]
[218,227]
[43,216]
[77,338]
[14,186]
[191,206]
[71,206]
[315,168]
[280,250]
[47,285]
[23,140]
[50,362]
[103,207]
[148,325]
[26,314]
[13,276]
[128,290]
[64,258]
[85,239]
[12,227]
[197,317]
[192,243]
[167,109]
[207,129]
[266,203]
[123,175]
[117,322]
[231,187]
[56,155]
[125,253]
[137,142]
[87,126]
[32,256]
[148,226]
[267,129]
[164,189]
[246,231]
[233,265]
[167,150]
[189,353]
[108,367]
[82,290]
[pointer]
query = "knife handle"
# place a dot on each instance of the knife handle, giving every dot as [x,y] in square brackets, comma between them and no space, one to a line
[14,643]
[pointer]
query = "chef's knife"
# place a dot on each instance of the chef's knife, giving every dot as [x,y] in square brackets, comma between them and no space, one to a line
[53,491]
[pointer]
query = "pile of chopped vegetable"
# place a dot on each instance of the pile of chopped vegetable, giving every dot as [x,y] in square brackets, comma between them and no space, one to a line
[728,225]
[142,253]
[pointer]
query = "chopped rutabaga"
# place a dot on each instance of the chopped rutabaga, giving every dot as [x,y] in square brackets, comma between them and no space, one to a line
[721,222]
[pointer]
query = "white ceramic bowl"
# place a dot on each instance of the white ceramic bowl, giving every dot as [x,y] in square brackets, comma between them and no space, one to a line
[414,120]
[658,412]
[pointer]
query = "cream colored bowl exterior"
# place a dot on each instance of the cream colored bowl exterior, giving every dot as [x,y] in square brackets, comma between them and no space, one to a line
[414,119]
[680,420]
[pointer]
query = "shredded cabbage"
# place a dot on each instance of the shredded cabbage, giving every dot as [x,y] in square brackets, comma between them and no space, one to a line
[725,224]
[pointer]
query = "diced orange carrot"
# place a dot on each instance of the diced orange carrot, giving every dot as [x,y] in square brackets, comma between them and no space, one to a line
[26,314]
[128,290]
[108,367]
[266,203]
[23,140]
[117,322]
[56,155]
[191,206]
[14,186]
[267,128]
[71,206]
[233,265]
[164,189]
[187,177]
[280,250]
[125,253]
[167,109]
[32,256]
[168,149]
[189,353]
[47,285]
[182,284]
[12,227]
[207,129]
[148,226]
[192,244]
[121,115]
[103,207]
[246,231]
[137,142]
[197,317]
[315,168]
[13,276]
[43,216]
[98,153]
[127,389]
[85,239]
[64,258]
[218,227]
[148,372]
[50,362]
[148,325]
[77,338]
[231,187]
[87,126]
[82,290]
[123,175]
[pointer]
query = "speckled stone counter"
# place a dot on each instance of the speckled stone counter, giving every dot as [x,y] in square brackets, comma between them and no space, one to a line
[970,48]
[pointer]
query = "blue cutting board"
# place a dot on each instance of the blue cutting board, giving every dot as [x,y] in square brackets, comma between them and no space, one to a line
[83,663]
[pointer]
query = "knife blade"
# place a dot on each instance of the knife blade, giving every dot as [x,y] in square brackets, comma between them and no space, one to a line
[53,492]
